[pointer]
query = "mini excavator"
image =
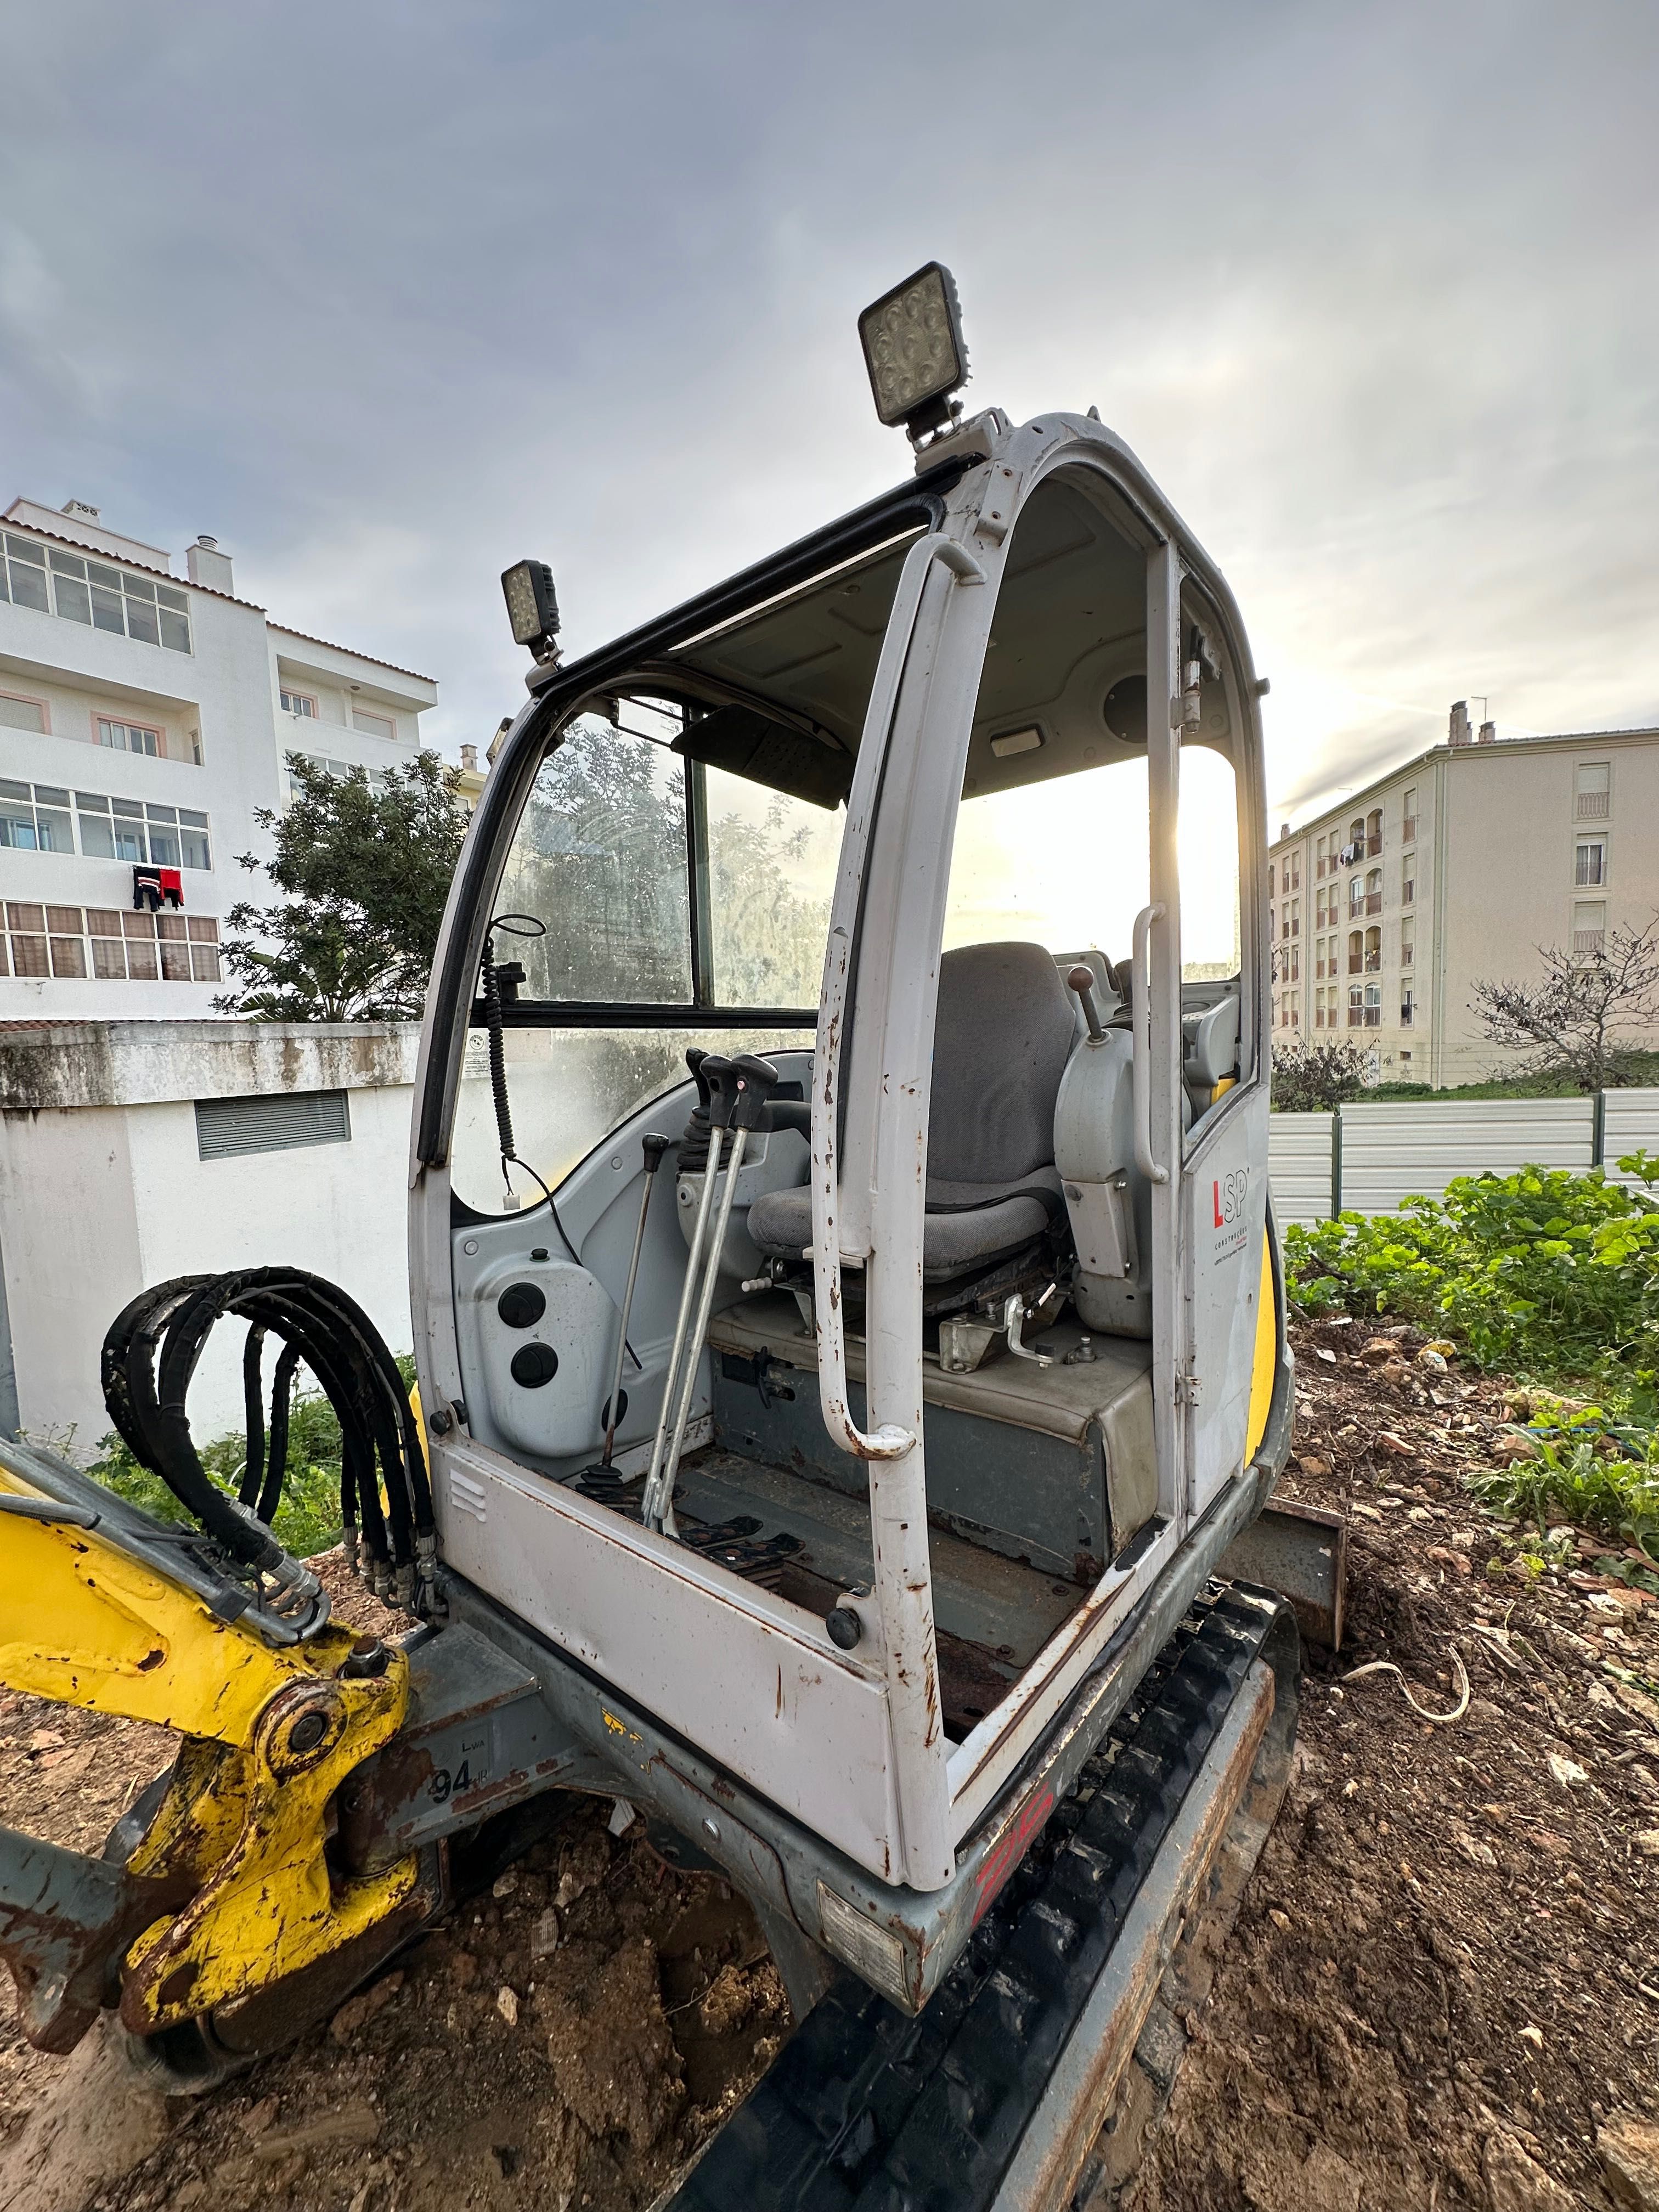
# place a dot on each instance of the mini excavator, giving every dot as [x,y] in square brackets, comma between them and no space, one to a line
[850,1345]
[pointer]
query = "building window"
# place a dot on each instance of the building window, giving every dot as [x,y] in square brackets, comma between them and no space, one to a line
[301,703]
[1589,925]
[1408,1007]
[1356,952]
[111,944]
[1319,858]
[94,592]
[1273,877]
[1592,783]
[1409,879]
[130,738]
[1373,951]
[1355,1006]
[17,713]
[1293,870]
[1374,891]
[1373,1006]
[372,726]
[1590,861]
[1374,832]
[1356,895]
[1407,944]
[36,818]
[1408,822]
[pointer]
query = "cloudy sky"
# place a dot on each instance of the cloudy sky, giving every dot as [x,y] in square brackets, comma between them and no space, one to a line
[387,295]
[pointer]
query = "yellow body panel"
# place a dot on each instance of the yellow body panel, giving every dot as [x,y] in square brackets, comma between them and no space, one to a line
[1267,1354]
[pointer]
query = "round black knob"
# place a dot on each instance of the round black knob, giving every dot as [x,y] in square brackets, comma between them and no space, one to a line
[844,1626]
[534,1364]
[521,1305]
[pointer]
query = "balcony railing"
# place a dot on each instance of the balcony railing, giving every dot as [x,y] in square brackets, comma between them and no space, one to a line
[1592,806]
[1373,846]
[1588,941]
[1408,830]
[1373,902]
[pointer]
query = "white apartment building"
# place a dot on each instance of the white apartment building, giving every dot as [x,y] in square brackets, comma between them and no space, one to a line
[144,717]
[1388,909]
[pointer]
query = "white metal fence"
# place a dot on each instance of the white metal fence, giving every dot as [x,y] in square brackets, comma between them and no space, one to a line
[1366,1158]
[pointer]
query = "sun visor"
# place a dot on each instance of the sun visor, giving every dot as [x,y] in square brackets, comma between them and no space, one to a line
[749,745]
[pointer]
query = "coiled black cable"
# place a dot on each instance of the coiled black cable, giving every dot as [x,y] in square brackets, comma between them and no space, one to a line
[151,1353]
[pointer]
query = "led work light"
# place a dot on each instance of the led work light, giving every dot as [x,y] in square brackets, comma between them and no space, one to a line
[532,606]
[913,348]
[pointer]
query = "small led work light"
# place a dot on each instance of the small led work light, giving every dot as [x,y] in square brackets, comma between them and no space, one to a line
[913,348]
[532,606]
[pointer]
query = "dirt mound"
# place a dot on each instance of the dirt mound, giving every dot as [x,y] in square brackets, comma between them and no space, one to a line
[1446,1972]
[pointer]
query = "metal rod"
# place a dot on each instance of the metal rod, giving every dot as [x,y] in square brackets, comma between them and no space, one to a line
[653,1148]
[700,1330]
[688,1294]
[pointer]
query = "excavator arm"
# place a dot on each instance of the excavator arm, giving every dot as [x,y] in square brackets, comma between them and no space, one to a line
[230,1887]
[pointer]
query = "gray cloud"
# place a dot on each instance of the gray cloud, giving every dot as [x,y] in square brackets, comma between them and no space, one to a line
[386,295]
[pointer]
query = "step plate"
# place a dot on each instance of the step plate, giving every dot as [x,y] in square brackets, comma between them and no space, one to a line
[868,2110]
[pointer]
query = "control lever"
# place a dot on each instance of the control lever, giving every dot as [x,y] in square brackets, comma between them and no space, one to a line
[716,1081]
[1013,1318]
[652,1147]
[1081,979]
[752,1081]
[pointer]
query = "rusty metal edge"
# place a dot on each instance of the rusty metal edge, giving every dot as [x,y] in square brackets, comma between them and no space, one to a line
[1301,1552]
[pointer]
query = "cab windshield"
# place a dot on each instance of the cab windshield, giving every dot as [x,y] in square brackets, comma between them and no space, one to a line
[673,868]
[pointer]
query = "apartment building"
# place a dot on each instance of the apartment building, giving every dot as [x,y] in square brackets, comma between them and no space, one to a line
[144,717]
[1452,870]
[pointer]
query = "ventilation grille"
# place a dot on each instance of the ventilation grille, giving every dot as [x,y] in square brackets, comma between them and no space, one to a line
[225,1126]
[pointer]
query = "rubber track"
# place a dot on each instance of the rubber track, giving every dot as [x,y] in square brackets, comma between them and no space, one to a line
[868,2110]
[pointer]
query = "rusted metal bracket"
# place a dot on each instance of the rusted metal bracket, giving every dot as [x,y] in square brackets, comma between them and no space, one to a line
[1302,1552]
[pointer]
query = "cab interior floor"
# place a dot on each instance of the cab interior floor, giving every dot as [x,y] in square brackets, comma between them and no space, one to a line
[991,1614]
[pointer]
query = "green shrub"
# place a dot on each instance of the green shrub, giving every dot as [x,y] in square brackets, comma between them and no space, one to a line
[1541,1273]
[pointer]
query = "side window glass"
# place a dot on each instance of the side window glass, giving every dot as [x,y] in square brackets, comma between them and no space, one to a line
[600,859]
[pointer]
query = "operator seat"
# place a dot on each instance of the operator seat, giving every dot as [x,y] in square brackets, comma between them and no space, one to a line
[1004,1028]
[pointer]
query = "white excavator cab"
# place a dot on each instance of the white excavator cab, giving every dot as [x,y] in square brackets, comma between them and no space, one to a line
[855,1463]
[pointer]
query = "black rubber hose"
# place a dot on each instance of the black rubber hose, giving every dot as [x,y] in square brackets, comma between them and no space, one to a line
[253,1466]
[150,1355]
[281,1388]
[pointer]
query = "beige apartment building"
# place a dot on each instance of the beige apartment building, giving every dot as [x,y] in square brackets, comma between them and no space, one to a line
[1387,909]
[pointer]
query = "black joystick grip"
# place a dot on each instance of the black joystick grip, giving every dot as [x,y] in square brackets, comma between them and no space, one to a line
[654,1146]
[722,1077]
[1081,979]
[756,1080]
[695,1055]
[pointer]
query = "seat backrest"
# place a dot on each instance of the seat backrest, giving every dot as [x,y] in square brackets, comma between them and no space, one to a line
[1004,1032]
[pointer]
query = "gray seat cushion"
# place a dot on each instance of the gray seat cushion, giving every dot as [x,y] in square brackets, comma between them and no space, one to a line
[1004,1032]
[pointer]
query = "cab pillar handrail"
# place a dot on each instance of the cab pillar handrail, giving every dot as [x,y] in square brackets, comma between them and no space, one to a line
[887,1441]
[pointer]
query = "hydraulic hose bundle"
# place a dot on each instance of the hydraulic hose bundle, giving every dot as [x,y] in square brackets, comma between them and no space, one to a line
[148,1358]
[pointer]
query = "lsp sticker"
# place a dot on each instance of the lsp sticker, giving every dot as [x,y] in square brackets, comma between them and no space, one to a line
[1228,1196]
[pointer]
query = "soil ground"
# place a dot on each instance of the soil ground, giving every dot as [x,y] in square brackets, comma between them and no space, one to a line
[1443,1980]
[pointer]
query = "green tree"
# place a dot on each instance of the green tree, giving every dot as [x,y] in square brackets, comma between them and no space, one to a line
[363,871]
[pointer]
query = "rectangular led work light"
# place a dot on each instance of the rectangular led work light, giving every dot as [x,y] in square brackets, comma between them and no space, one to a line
[532,606]
[912,347]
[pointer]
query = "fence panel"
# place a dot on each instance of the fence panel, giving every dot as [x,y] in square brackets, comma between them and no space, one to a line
[1299,1166]
[1632,1125]
[1414,1147]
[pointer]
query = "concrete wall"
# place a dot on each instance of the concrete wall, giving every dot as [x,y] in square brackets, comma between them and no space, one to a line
[103,1192]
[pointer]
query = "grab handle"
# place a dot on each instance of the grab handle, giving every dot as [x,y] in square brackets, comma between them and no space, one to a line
[888,1442]
[1140,1009]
